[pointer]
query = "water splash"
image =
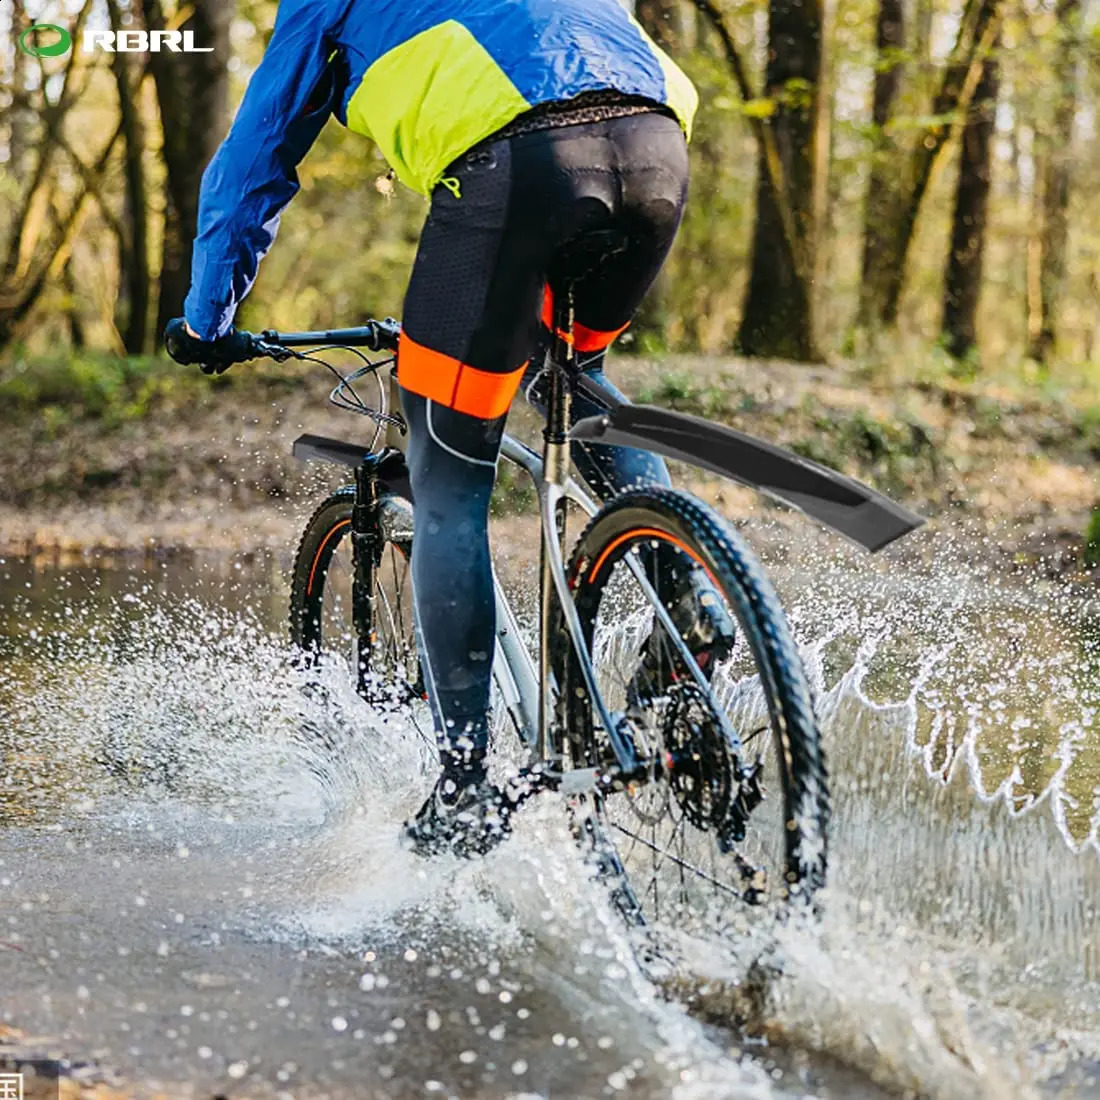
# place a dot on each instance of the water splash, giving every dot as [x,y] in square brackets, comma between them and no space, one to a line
[957,954]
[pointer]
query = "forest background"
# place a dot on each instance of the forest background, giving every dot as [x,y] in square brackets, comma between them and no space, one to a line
[900,194]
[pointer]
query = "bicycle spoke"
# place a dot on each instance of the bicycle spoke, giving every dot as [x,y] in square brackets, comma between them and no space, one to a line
[392,654]
[698,871]
[662,852]
[399,575]
[669,825]
[391,642]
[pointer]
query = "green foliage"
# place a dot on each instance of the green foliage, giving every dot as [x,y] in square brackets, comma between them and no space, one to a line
[680,390]
[1092,540]
[897,452]
[1087,423]
[345,251]
[513,492]
[64,386]
[797,94]
[70,385]
[761,107]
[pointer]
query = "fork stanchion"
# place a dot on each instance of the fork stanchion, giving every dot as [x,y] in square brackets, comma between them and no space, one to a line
[365,553]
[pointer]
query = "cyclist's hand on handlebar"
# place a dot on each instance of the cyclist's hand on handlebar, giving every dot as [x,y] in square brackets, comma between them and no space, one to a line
[213,356]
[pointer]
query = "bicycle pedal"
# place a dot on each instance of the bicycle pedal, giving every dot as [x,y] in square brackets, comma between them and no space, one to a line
[528,783]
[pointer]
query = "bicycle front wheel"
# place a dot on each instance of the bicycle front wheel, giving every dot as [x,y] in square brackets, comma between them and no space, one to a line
[374,643]
[733,807]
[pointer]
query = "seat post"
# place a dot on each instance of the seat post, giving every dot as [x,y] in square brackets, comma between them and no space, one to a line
[563,362]
[555,473]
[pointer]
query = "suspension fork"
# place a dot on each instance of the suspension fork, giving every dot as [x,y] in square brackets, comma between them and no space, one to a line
[556,478]
[366,555]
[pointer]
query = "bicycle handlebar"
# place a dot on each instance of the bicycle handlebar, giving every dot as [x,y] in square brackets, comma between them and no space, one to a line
[238,346]
[374,335]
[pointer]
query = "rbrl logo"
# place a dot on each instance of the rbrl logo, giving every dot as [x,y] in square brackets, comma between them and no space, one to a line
[50,40]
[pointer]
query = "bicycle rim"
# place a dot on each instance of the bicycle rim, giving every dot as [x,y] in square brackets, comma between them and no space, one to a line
[731,816]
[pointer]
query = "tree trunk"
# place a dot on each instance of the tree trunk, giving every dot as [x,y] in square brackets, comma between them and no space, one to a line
[30,256]
[825,179]
[663,21]
[879,211]
[19,132]
[194,108]
[923,16]
[134,248]
[1054,230]
[778,318]
[963,277]
[77,336]
[1033,260]
[885,273]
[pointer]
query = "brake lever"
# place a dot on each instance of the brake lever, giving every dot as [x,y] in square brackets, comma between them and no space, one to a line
[273,351]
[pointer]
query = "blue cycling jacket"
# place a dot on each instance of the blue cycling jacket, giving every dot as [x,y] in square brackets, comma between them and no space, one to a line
[425,79]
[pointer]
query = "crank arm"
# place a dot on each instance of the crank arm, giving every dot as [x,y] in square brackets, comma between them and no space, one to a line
[577,781]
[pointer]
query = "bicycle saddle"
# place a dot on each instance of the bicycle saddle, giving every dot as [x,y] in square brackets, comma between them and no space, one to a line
[582,255]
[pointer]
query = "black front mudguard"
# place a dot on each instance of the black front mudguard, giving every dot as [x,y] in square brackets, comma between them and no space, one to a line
[839,502]
[388,466]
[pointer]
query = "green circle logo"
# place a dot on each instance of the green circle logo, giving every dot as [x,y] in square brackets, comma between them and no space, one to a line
[29,41]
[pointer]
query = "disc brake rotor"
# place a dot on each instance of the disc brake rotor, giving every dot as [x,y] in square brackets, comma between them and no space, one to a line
[702,772]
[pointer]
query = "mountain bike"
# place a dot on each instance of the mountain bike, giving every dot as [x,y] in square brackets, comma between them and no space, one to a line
[692,789]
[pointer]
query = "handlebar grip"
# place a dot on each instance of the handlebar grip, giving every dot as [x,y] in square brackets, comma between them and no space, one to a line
[221,354]
[214,356]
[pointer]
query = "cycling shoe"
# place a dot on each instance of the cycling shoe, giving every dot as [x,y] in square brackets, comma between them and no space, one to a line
[466,820]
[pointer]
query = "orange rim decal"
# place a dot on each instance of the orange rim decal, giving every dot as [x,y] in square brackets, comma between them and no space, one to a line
[320,550]
[646,532]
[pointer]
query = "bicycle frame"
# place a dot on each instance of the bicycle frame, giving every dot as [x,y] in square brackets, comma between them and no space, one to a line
[528,689]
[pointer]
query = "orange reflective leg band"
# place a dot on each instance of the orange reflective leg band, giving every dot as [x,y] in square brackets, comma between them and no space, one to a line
[454,384]
[584,338]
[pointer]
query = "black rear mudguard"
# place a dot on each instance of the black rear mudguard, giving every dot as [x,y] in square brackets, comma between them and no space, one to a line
[839,502]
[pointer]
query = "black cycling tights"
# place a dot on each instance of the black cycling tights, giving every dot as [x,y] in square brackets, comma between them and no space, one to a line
[472,315]
[452,463]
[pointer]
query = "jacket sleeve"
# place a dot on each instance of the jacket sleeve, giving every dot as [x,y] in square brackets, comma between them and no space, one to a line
[253,175]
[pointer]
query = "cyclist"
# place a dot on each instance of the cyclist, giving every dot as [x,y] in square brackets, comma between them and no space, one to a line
[530,124]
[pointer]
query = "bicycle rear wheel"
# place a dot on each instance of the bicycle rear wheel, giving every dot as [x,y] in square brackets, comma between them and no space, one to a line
[733,808]
[375,643]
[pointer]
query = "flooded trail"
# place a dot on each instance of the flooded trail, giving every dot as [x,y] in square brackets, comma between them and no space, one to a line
[193,892]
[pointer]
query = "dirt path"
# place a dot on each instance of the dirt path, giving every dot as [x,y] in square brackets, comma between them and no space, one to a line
[210,468]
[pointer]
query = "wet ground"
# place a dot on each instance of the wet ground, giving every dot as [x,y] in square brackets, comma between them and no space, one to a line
[193,893]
